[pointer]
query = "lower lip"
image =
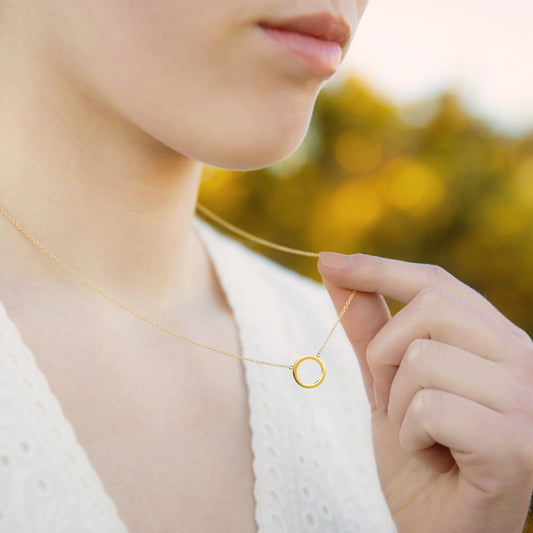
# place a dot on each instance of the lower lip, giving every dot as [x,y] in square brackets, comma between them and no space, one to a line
[320,56]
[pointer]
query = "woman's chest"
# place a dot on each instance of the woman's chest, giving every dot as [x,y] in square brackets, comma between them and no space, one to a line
[171,461]
[167,458]
[163,423]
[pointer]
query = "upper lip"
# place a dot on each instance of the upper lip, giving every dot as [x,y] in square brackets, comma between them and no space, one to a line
[323,25]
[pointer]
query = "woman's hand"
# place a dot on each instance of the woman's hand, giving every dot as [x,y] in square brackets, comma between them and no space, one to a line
[450,384]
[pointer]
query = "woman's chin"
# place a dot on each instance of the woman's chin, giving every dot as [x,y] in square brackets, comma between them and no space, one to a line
[251,152]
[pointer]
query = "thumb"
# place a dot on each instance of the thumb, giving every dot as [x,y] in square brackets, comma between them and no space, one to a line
[366,315]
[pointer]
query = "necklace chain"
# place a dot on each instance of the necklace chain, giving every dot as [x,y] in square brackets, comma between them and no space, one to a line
[251,237]
[227,225]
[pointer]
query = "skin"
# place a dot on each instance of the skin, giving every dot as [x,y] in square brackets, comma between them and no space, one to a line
[449,380]
[108,111]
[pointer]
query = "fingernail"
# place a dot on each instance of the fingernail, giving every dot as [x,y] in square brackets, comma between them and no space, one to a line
[380,398]
[334,261]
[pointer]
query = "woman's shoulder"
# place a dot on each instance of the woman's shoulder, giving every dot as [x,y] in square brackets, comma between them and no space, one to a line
[47,481]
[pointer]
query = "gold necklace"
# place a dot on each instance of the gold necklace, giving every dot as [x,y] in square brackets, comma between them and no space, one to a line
[240,232]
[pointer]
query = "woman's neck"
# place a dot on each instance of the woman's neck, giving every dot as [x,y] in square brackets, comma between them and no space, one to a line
[111,202]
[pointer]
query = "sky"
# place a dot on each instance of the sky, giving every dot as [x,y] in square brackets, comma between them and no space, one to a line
[412,49]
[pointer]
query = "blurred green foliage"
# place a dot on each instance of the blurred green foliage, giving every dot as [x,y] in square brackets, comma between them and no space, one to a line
[427,183]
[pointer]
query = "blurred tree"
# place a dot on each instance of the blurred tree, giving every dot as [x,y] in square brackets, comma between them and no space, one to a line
[427,183]
[449,190]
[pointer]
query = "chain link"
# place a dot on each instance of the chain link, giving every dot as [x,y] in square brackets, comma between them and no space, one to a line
[221,221]
[249,236]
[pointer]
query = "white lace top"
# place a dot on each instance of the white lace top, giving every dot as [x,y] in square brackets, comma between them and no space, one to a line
[313,458]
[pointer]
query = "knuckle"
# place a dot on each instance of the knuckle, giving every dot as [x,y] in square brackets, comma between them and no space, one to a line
[523,369]
[421,403]
[417,352]
[395,410]
[435,275]
[430,296]
[526,356]
[418,415]
[527,376]
[373,354]
[520,444]
[522,395]
[527,450]
[526,338]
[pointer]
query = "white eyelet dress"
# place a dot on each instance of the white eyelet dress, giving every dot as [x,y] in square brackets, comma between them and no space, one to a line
[314,463]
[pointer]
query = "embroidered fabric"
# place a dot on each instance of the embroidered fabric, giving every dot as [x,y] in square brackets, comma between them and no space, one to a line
[313,462]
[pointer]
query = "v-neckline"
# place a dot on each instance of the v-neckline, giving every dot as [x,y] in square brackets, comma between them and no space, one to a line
[203,231]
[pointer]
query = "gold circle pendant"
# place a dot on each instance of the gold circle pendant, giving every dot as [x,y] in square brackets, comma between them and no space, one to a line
[318,381]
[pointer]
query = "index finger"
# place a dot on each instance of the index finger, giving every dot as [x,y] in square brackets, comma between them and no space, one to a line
[402,281]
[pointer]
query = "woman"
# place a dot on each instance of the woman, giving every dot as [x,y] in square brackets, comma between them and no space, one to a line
[108,111]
